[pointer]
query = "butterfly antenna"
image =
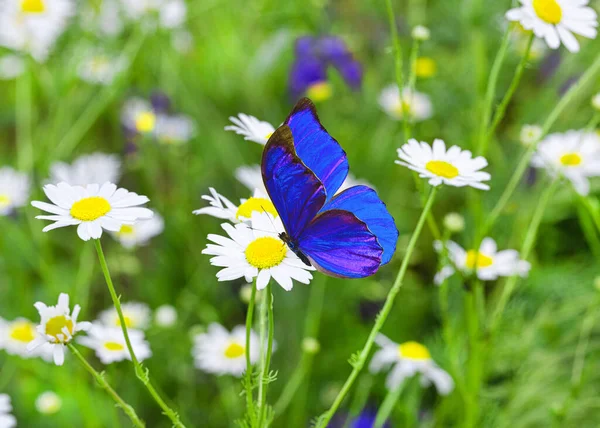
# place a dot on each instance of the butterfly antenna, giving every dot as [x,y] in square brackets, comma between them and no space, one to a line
[269,217]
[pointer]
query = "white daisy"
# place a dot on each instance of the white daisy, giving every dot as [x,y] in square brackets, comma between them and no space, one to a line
[530,134]
[171,13]
[251,128]
[408,359]
[165,316]
[48,403]
[32,26]
[17,334]
[14,190]
[137,316]
[454,167]
[11,67]
[110,346]
[57,327]
[221,207]
[174,129]
[574,154]
[251,177]
[421,33]
[102,20]
[99,68]
[91,208]
[491,263]
[220,352]
[138,115]
[417,105]
[140,233]
[256,251]
[95,168]
[557,20]
[6,419]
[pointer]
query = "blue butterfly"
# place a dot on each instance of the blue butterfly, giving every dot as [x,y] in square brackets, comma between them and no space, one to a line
[349,235]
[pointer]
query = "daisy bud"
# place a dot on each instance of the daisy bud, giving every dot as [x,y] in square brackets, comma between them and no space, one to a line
[310,345]
[165,316]
[48,403]
[530,134]
[454,222]
[246,292]
[596,101]
[420,33]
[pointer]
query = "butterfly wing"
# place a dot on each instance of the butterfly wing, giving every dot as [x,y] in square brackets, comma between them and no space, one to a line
[295,191]
[339,244]
[319,151]
[364,203]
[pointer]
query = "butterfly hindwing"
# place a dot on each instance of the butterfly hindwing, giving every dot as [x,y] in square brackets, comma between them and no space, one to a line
[339,244]
[364,203]
[295,191]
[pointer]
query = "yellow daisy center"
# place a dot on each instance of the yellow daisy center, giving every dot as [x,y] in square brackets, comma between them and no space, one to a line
[481,259]
[319,91]
[268,136]
[4,201]
[22,331]
[90,209]
[126,229]
[255,204]
[234,350]
[413,351]
[145,121]
[403,107]
[33,6]
[548,11]
[55,325]
[128,321]
[570,159]
[442,168]
[113,346]
[99,63]
[425,67]
[265,252]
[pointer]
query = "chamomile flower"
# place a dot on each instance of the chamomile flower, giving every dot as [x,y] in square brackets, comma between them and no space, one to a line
[415,105]
[221,352]
[557,20]
[171,13]
[420,33]
[57,327]
[256,251]
[251,128]
[102,20]
[6,419]
[95,168]
[174,129]
[488,261]
[165,316]
[138,115]
[574,154]
[406,360]
[530,134]
[137,316]
[221,207]
[454,167]
[14,190]
[110,346]
[140,233]
[99,68]
[11,67]
[17,334]
[33,26]
[48,403]
[91,208]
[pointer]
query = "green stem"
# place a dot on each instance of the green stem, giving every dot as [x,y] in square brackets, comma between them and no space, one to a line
[141,372]
[412,78]
[23,97]
[264,372]
[360,361]
[588,227]
[248,375]
[104,384]
[397,62]
[472,316]
[385,410]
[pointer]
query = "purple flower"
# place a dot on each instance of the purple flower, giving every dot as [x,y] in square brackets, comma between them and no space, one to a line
[366,420]
[314,55]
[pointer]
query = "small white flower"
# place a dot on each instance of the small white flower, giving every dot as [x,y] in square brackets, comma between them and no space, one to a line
[48,403]
[221,207]
[488,261]
[11,67]
[251,177]
[251,128]
[165,316]
[140,233]
[220,352]
[454,167]
[99,68]
[14,190]
[310,345]
[95,168]
[406,360]
[102,20]
[454,222]
[33,26]
[416,104]
[557,20]
[17,334]
[174,129]
[57,327]
[171,13]
[256,251]
[574,154]
[137,316]
[6,419]
[421,33]
[110,346]
[596,101]
[530,134]
[138,115]
[91,208]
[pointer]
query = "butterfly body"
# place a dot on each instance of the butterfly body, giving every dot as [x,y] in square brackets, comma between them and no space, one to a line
[292,245]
